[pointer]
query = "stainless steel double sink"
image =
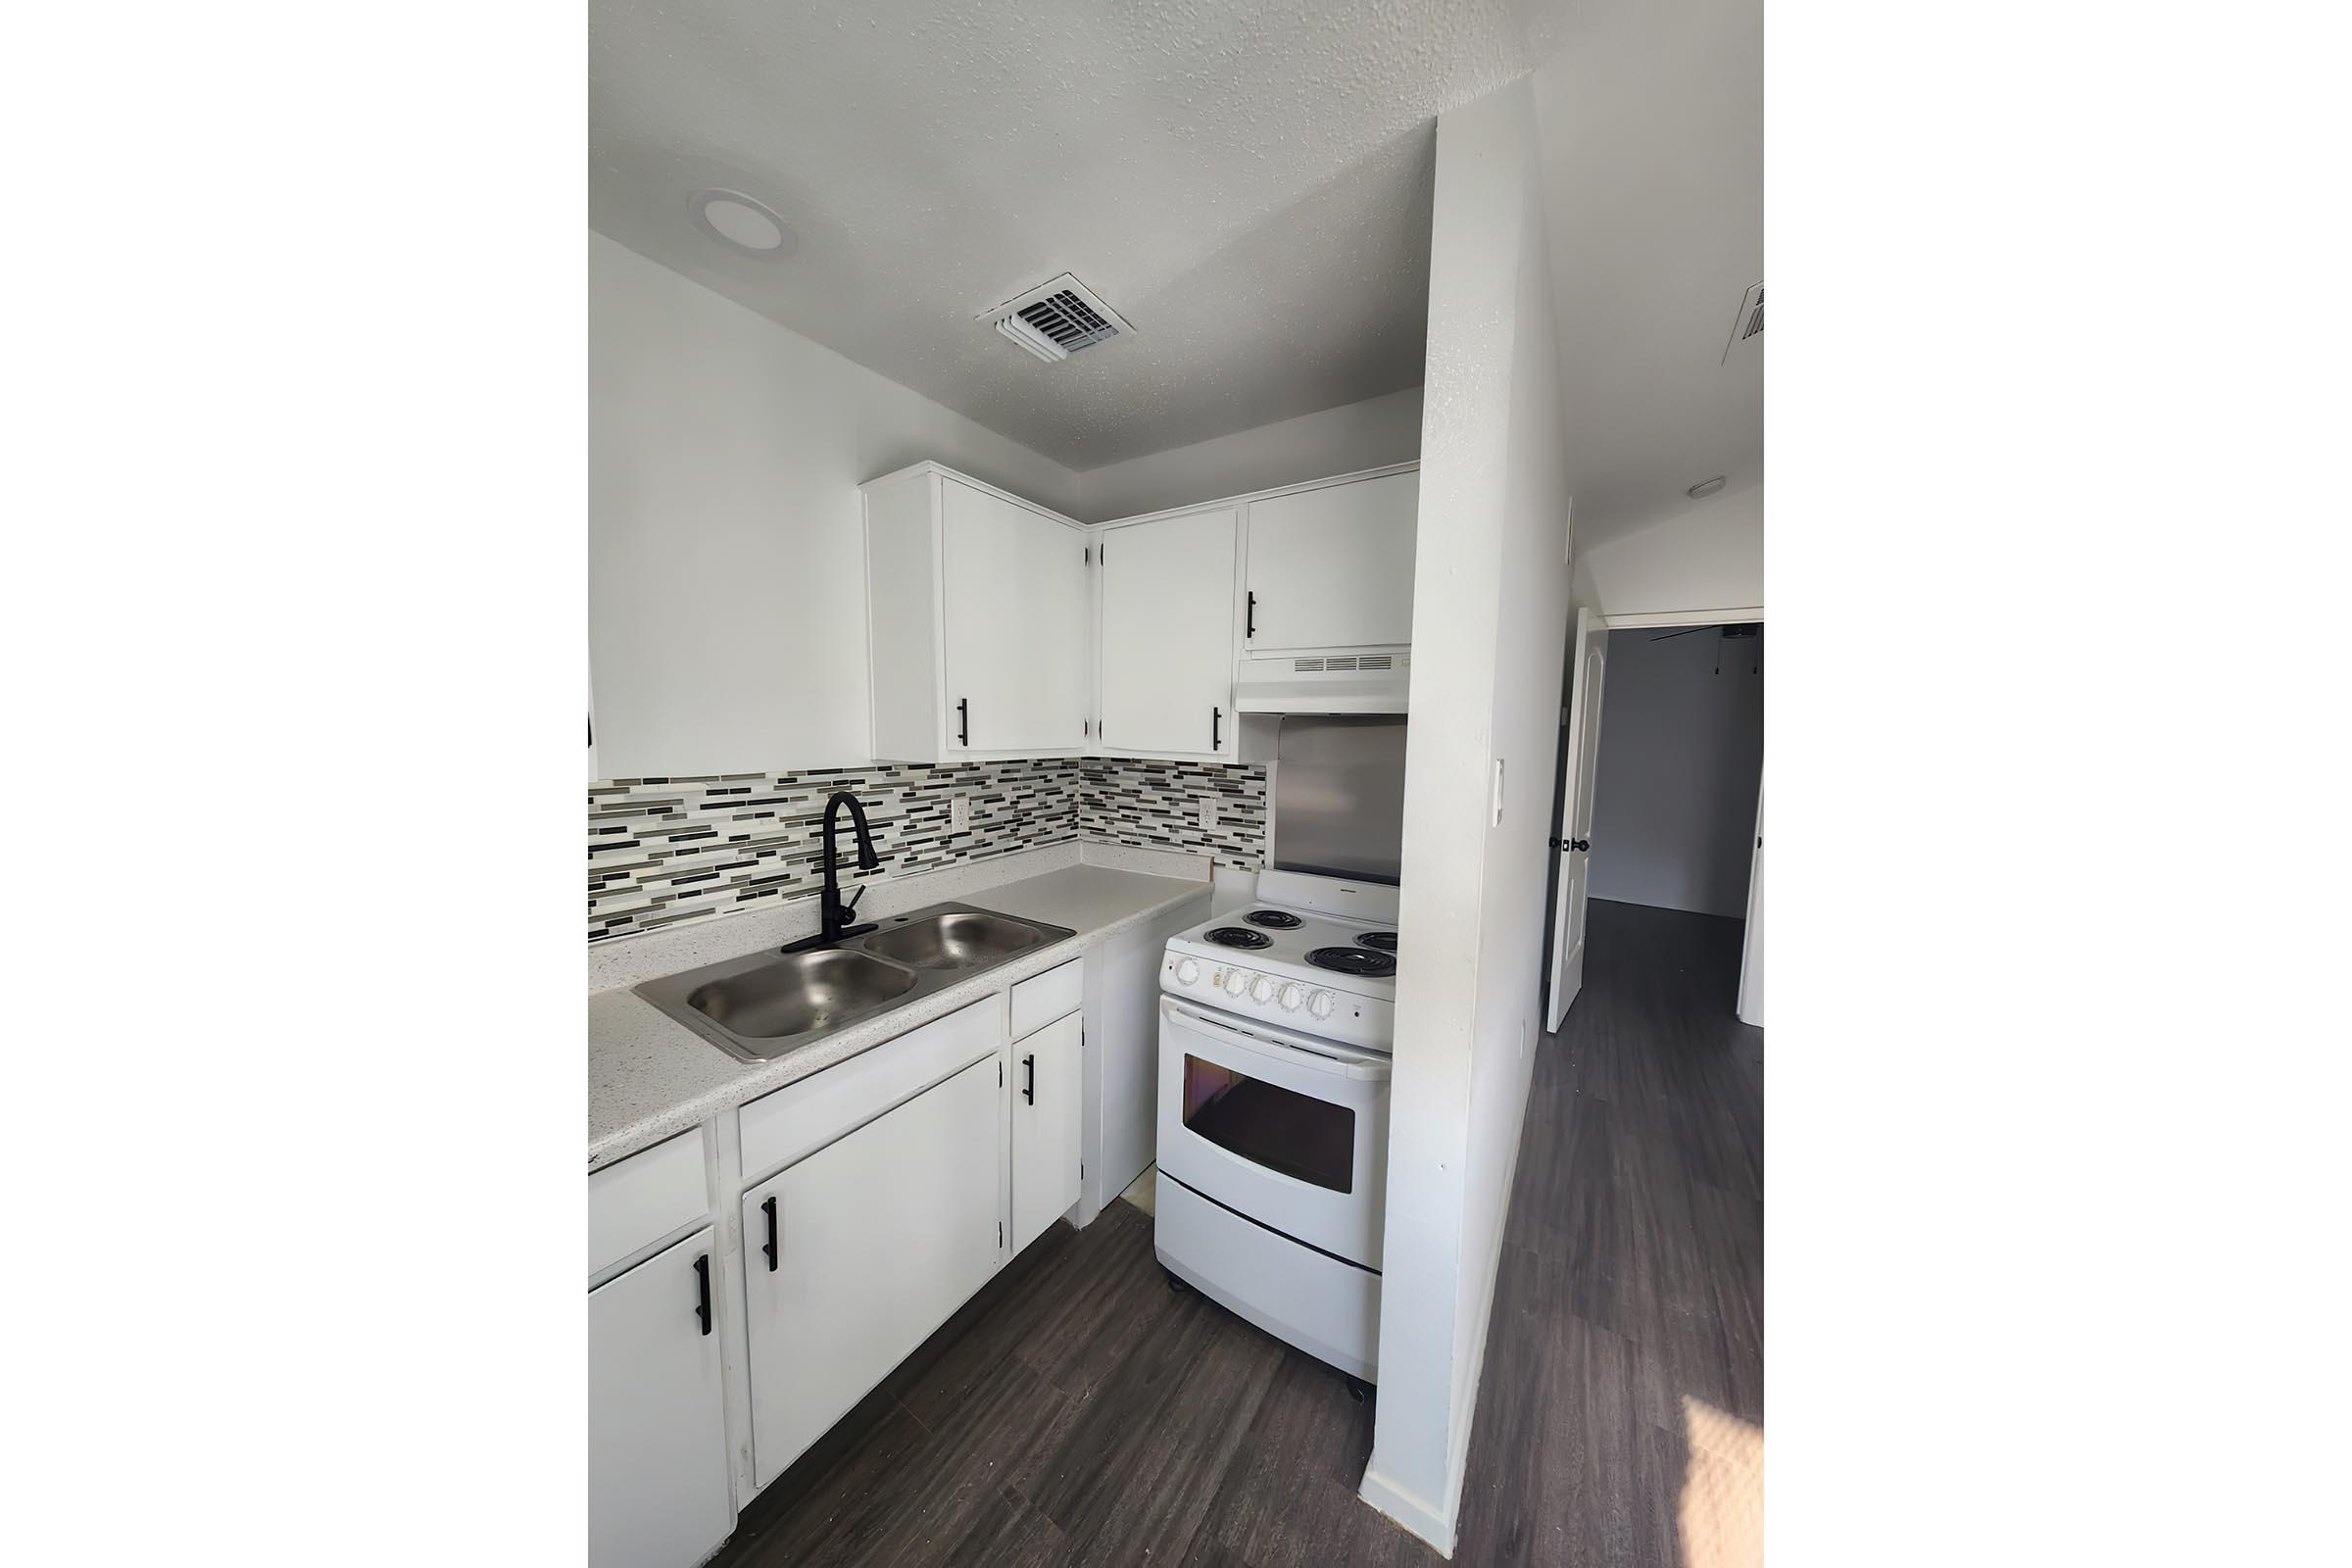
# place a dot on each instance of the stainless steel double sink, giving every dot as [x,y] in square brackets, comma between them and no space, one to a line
[768,1004]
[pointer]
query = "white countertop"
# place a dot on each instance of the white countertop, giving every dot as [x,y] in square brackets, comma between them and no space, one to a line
[650,1078]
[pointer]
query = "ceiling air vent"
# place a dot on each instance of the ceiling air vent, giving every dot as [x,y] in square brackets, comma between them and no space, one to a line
[1056,319]
[1749,322]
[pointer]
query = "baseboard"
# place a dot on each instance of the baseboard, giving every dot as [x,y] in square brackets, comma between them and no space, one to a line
[1407,1510]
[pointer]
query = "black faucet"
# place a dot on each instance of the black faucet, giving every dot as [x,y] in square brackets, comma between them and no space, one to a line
[831,911]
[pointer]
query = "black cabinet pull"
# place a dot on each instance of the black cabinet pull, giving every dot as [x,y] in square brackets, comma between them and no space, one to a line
[963,715]
[702,1288]
[1251,630]
[1216,723]
[1029,1089]
[769,1207]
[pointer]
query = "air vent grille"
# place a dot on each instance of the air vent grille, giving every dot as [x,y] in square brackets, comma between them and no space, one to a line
[1056,319]
[1342,661]
[1749,322]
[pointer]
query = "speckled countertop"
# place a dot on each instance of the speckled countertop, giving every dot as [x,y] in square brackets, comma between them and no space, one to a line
[649,1078]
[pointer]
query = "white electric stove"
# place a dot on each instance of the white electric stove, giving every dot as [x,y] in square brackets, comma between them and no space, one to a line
[1276,1024]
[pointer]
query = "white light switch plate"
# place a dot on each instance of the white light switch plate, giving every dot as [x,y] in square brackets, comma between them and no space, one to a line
[960,814]
[1209,813]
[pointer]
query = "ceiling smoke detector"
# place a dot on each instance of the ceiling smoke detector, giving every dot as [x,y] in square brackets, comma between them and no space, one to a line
[1056,319]
[1749,323]
[745,222]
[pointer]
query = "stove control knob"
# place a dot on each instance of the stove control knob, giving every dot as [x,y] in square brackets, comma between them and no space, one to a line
[1261,990]
[1293,997]
[1320,1004]
[1188,970]
[1236,981]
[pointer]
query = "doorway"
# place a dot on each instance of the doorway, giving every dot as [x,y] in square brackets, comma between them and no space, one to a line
[1661,790]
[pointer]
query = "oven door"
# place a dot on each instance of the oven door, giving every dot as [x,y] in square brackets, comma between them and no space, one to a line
[1283,1128]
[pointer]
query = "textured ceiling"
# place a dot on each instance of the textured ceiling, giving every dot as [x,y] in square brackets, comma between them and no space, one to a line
[1248,184]
[1650,137]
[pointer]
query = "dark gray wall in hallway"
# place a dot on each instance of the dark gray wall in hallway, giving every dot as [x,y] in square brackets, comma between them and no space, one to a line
[1681,748]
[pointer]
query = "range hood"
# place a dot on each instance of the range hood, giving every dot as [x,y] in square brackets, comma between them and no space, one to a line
[1323,684]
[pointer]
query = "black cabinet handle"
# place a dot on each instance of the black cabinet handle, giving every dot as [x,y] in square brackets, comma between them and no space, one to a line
[769,1207]
[1251,630]
[963,715]
[701,1287]
[1580,844]
[1216,721]
[1029,1089]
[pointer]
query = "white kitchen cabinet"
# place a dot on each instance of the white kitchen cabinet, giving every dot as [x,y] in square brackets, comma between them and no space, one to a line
[1331,565]
[1168,634]
[1046,1086]
[979,609]
[657,1489]
[853,1254]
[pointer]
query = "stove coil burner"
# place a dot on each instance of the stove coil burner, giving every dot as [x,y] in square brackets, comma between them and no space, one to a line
[1273,919]
[1382,941]
[1234,936]
[1360,961]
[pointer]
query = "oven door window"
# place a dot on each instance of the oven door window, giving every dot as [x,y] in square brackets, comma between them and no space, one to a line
[1268,1125]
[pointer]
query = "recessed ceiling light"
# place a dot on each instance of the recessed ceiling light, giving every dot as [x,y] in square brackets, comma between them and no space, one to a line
[1705,488]
[750,225]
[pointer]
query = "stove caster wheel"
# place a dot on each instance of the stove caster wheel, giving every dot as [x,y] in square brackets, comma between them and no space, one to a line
[1357,1389]
[1176,1286]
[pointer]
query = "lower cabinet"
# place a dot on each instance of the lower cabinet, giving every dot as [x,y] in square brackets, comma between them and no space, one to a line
[855,1253]
[1045,1080]
[658,1485]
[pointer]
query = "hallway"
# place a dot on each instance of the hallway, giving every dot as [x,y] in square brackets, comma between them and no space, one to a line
[1633,1266]
[1078,1411]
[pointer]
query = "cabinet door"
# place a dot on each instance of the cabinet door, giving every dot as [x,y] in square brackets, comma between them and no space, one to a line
[1168,634]
[1046,1077]
[855,1254]
[658,1490]
[1333,568]
[1017,616]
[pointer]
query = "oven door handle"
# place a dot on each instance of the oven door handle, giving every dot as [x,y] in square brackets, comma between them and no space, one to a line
[1281,1045]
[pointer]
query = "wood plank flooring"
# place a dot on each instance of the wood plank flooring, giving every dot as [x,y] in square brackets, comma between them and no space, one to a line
[1079,1412]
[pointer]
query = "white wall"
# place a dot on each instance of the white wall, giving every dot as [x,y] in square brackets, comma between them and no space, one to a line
[1681,748]
[725,458]
[1708,556]
[1490,618]
[1313,446]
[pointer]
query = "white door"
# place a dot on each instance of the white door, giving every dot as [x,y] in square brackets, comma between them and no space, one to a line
[658,1491]
[1018,610]
[1044,1127]
[1333,568]
[855,1254]
[1168,634]
[1590,664]
[1751,954]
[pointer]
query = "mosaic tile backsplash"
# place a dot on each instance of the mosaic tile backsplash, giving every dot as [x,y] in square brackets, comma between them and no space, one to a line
[663,850]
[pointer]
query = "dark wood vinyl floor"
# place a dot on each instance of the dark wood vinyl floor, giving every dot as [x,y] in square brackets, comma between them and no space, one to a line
[1079,1412]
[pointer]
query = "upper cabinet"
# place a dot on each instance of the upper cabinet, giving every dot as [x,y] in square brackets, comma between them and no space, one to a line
[978,609]
[1332,565]
[1168,634]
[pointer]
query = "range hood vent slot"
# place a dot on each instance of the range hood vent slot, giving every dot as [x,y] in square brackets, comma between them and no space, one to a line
[1056,319]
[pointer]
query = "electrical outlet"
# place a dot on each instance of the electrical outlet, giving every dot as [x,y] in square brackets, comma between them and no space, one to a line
[960,814]
[1209,813]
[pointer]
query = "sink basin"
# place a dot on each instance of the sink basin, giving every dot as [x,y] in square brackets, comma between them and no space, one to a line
[768,1004]
[961,939]
[800,993]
